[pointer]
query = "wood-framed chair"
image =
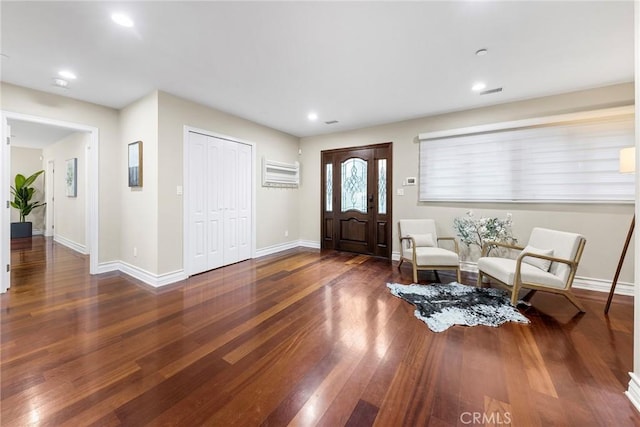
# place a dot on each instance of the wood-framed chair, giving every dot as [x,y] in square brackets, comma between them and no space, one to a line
[548,263]
[419,245]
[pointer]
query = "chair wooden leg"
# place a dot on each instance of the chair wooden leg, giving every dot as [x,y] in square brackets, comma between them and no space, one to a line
[401,261]
[574,301]
[415,274]
[514,296]
[479,281]
[437,277]
[458,275]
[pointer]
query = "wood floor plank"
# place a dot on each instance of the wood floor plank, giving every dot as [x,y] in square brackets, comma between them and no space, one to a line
[302,337]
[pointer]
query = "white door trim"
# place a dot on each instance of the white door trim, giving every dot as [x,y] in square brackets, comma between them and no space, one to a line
[185,194]
[92,174]
[5,217]
[50,195]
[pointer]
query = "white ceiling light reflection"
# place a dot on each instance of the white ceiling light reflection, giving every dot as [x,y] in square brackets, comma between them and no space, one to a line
[122,20]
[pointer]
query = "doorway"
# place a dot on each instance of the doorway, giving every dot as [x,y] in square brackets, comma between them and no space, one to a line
[356,204]
[91,170]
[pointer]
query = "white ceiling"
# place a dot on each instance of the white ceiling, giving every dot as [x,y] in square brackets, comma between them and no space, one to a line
[361,63]
[36,135]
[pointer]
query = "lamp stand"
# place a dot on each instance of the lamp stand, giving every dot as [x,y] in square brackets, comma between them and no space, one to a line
[622,255]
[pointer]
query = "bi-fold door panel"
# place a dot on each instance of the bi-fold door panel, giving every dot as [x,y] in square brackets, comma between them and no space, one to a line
[220,197]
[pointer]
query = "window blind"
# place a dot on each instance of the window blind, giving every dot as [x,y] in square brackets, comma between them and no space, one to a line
[559,162]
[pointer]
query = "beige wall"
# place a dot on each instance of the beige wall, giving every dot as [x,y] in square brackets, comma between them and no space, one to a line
[276,208]
[604,225]
[69,212]
[27,101]
[27,161]
[139,216]
[150,219]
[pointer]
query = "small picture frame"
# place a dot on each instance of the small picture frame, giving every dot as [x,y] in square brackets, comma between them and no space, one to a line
[71,178]
[135,164]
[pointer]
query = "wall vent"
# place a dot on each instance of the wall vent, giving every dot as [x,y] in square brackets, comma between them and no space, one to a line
[331,122]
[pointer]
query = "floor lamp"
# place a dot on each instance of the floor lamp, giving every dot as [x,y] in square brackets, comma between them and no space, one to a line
[627,165]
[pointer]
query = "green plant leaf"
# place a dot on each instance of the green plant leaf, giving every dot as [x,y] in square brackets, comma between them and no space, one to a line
[32,178]
[20,179]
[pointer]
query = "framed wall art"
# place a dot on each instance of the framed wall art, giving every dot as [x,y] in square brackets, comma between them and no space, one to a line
[71,178]
[135,164]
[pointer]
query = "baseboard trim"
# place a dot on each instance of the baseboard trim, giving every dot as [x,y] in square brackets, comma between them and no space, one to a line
[588,283]
[108,267]
[155,280]
[309,244]
[37,232]
[633,392]
[159,280]
[70,244]
[269,250]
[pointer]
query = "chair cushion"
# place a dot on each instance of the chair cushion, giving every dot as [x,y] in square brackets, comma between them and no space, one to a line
[436,256]
[422,240]
[504,270]
[542,264]
[565,245]
[415,226]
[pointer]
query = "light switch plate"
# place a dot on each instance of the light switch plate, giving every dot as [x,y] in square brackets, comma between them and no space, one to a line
[400,192]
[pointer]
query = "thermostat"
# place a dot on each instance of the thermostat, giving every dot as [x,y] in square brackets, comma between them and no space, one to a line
[410,180]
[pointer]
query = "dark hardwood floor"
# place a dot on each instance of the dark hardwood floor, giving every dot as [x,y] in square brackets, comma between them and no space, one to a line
[299,338]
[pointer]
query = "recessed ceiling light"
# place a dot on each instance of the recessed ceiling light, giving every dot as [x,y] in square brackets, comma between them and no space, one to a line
[477,87]
[313,117]
[122,19]
[481,52]
[62,83]
[67,74]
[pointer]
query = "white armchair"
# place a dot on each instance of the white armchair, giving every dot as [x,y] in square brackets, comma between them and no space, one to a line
[419,246]
[548,263]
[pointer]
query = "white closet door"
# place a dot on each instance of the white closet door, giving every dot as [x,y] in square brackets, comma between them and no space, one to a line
[244,201]
[220,197]
[215,204]
[197,163]
[231,173]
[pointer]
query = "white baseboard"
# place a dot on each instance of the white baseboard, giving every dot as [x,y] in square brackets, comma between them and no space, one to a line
[70,244]
[37,232]
[155,280]
[107,267]
[158,280]
[276,248]
[589,283]
[309,244]
[286,246]
[602,285]
[633,392]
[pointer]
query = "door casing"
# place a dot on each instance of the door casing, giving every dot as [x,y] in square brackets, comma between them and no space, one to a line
[352,230]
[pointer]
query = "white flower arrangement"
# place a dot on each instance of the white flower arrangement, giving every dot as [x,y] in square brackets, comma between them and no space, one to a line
[477,231]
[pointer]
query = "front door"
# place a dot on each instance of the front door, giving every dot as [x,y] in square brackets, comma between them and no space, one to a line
[356,202]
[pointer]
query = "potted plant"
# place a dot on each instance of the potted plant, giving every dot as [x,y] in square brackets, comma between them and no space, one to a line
[22,194]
